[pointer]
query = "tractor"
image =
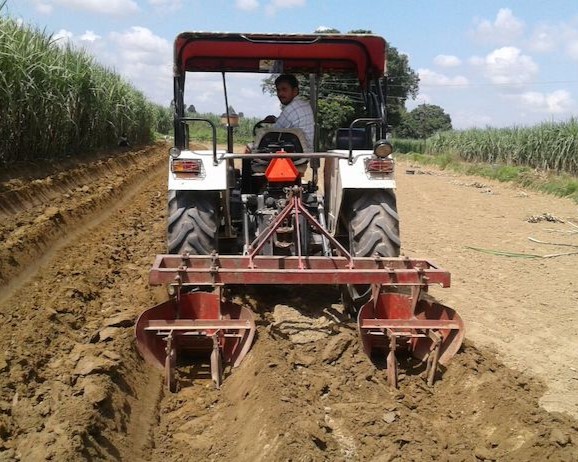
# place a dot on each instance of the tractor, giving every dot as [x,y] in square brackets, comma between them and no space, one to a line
[286,214]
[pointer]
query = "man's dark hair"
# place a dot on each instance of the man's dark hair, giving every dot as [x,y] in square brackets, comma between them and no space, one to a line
[287,78]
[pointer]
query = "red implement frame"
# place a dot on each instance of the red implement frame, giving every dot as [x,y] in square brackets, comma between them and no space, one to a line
[216,269]
[203,321]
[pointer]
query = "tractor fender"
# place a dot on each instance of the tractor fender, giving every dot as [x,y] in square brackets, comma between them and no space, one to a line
[354,176]
[340,176]
[210,178]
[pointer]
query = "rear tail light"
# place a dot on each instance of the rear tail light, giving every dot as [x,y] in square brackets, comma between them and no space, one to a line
[193,166]
[384,166]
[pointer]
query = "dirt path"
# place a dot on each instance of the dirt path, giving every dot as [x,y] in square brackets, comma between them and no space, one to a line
[74,387]
[525,309]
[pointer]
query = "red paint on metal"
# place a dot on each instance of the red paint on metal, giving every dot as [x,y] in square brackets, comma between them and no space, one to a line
[391,314]
[208,270]
[192,321]
[299,53]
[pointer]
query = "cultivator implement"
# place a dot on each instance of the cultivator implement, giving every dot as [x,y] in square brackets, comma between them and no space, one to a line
[206,323]
[392,322]
[198,324]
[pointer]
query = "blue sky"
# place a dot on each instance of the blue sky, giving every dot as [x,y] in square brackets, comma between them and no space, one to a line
[486,62]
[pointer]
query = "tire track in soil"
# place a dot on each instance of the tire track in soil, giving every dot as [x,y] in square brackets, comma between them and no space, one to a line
[74,387]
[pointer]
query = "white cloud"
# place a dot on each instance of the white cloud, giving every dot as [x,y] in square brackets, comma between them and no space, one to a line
[322,29]
[505,28]
[247,5]
[208,94]
[144,58]
[249,93]
[507,65]
[544,39]
[557,102]
[89,36]
[275,5]
[447,61]
[140,45]
[550,38]
[43,8]
[62,37]
[110,7]
[429,77]
[421,98]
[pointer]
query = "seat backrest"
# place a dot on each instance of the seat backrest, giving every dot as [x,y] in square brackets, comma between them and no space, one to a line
[288,139]
[358,138]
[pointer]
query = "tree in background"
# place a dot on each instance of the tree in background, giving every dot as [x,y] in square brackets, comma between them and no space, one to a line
[402,83]
[334,111]
[422,122]
[340,100]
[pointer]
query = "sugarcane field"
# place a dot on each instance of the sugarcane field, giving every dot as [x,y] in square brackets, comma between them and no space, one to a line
[182,285]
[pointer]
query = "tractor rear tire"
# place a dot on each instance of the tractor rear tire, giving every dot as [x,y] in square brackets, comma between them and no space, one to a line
[373,226]
[193,222]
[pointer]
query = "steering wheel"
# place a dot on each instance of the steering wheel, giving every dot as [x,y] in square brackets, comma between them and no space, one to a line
[267,120]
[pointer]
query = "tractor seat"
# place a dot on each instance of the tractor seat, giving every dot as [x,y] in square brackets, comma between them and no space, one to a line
[280,139]
[359,138]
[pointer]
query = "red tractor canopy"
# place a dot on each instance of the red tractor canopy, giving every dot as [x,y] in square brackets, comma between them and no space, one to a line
[364,55]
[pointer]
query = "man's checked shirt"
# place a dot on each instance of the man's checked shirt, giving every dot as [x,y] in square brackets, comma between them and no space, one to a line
[298,114]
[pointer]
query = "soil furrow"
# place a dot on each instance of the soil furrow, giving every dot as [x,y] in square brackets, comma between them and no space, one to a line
[75,388]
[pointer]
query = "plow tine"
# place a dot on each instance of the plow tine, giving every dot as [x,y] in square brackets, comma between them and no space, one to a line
[170,364]
[391,322]
[198,323]
[433,358]
[392,362]
[216,363]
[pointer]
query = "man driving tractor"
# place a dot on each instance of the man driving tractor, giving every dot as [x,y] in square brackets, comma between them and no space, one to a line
[296,112]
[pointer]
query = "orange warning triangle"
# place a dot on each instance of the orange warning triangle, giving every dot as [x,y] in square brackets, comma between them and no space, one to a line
[281,169]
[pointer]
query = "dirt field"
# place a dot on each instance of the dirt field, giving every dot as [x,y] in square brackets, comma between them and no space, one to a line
[75,249]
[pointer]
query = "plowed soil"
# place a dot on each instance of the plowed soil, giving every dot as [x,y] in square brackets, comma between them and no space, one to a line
[76,244]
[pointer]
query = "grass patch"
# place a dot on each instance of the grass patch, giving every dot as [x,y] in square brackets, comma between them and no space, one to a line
[442,161]
[561,185]
[565,187]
